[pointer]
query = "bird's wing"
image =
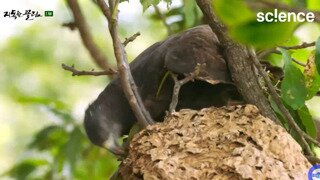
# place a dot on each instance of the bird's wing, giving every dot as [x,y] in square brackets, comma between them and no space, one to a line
[197,46]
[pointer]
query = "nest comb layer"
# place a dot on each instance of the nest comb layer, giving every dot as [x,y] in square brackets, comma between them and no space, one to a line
[234,142]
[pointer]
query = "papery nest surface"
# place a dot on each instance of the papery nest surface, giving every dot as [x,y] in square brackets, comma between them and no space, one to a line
[234,142]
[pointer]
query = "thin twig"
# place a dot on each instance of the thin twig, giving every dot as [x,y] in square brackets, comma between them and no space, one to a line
[164,19]
[299,62]
[301,46]
[265,53]
[314,160]
[129,87]
[179,83]
[130,39]
[275,51]
[310,139]
[105,9]
[71,25]
[99,58]
[76,72]
[279,103]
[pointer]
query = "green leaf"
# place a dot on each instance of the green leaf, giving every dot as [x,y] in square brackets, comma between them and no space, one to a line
[190,12]
[147,3]
[42,100]
[293,90]
[317,60]
[49,137]
[313,4]
[74,146]
[262,34]
[313,87]
[312,77]
[23,169]
[278,112]
[177,11]
[98,163]
[307,121]
[233,12]
[58,108]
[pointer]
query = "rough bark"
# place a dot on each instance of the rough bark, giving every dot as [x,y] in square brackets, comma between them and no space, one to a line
[240,66]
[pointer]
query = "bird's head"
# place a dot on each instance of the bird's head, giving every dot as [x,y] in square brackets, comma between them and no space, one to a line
[101,130]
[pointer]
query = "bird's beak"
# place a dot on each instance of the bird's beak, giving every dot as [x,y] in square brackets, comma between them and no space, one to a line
[113,146]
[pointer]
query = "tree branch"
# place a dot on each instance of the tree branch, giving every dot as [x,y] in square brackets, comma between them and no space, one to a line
[239,64]
[279,103]
[299,62]
[239,55]
[130,39]
[314,160]
[127,81]
[275,51]
[179,83]
[76,72]
[99,58]
[301,46]
[71,25]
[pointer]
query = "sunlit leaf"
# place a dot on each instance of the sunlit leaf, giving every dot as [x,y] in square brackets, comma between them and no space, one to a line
[190,12]
[312,77]
[313,4]
[244,27]
[293,90]
[317,59]
[307,121]
[262,34]
[233,12]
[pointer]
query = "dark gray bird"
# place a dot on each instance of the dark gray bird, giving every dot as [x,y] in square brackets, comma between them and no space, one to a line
[109,116]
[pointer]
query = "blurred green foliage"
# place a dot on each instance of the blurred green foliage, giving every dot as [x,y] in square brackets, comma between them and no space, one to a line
[44,105]
[299,83]
[34,78]
[244,27]
[182,17]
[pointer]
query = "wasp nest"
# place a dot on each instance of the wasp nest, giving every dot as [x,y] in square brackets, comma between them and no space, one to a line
[234,142]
